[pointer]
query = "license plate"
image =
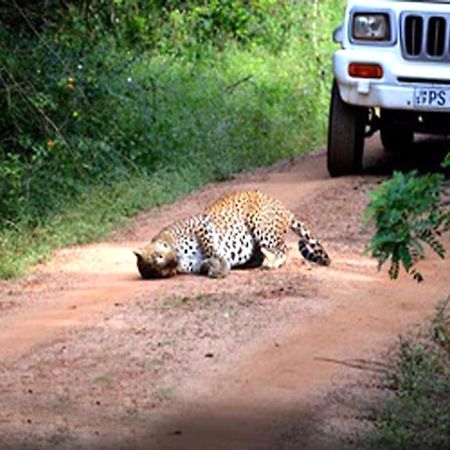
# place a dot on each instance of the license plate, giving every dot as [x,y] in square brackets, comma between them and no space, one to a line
[436,98]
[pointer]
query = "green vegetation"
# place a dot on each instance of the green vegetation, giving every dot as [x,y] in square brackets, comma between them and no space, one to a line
[416,412]
[408,211]
[114,107]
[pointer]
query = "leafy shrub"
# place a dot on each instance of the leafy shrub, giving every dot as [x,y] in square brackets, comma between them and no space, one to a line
[408,211]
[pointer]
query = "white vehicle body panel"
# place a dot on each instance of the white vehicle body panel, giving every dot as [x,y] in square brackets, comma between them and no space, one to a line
[402,77]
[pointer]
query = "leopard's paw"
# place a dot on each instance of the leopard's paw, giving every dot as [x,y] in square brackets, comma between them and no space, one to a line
[215,267]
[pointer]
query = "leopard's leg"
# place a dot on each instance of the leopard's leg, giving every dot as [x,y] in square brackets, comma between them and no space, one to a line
[273,248]
[273,258]
[269,232]
[214,264]
[215,267]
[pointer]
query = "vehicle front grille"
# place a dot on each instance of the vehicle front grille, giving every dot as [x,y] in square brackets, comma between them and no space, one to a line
[425,36]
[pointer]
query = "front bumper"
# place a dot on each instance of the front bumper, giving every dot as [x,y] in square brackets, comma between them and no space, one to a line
[396,89]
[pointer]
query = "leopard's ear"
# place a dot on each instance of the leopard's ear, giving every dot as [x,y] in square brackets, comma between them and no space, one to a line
[138,255]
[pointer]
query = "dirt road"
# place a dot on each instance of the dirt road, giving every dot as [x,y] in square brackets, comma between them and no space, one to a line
[93,357]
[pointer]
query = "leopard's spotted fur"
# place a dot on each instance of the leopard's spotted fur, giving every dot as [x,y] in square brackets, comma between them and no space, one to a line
[227,234]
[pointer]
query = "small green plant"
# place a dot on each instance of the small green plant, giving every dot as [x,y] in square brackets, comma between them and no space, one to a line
[165,393]
[408,211]
[446,162]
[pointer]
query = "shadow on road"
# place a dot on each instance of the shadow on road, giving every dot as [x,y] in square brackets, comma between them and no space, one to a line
[425,155]
[216,430]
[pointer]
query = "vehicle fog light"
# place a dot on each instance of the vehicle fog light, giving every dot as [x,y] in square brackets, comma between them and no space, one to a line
[365,70]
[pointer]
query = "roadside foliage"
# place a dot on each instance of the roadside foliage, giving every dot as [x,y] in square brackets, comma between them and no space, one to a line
[410,213]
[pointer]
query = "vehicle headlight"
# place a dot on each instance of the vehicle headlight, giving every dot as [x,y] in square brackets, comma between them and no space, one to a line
[371,27]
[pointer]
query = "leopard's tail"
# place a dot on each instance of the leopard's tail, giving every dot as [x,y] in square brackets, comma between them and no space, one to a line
[310,248]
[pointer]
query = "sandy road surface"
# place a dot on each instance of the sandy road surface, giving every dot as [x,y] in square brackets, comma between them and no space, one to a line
[93,357]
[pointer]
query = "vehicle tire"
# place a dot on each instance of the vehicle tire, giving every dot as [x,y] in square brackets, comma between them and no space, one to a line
[396,138]
[346,127]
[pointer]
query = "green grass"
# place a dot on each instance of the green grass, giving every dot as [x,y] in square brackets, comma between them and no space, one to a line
[97,212]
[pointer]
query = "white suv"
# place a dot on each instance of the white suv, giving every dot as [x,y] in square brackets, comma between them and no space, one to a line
[391,74]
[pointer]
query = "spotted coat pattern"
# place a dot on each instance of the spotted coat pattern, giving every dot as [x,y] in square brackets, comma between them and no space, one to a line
[228,234]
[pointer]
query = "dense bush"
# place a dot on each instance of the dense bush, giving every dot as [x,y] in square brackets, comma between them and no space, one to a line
[100,94]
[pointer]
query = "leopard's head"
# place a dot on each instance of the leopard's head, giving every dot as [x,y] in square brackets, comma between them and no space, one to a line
[157,260]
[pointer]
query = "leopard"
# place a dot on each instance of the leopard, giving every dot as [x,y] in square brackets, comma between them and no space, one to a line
[236,230]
